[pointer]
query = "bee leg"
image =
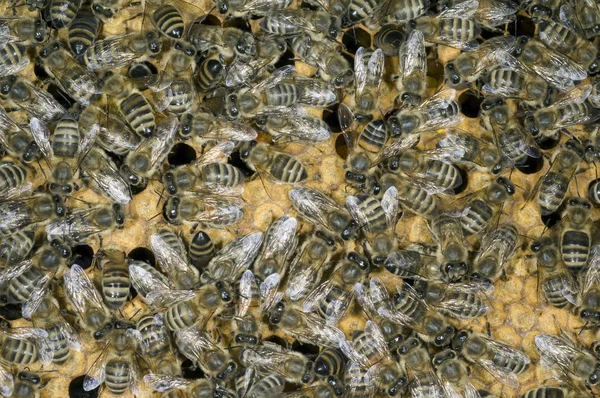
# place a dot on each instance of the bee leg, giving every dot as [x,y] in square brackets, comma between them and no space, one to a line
[194,228]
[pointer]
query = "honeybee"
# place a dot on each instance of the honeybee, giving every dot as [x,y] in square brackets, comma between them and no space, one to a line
[174,385]
[248,384]
[78,82]
[432,114]
[454,27]
[203,127]
[197,209]
[575,233]
[464,300]
[500,360]
[141,163]
[378,220]
[201,250]
[280,166]
[555,68]
[13,59]
[171,256]
[422,378]
[85,300]
[293,124]
[233,259]
[115,52]
[16,247]
[24,346]
[453,374]
[156,346]
[97,166]
[332,66]
[516,82]
[490,13]
[13,180]
[268,358]
[146,279]
[497,248]
[21,213]
[28,384]
[411,311]
[34,101]
[368,72]
[117,366]
[409,263]
[412,69]
[82,224]
[318,24]
[246,323]
[478,152]
[214,361]
[245,8]
[323,212]
[84,29]
[557,286]
[550,191]
[577,365]
[227,42]
[279,243]
[171,18]
[583,16]
[26,31]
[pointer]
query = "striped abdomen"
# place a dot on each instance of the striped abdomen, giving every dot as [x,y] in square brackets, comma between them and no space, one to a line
[358,10]
[505,79]
[417,200]
[202,250]
[16,247]
[575,248]
[553,190]
[209,74]
[169,21]
[405,10]
[180,316]
[59,344]
[138,113]
[21,287]
[286,168]
[65,141]
[513,364]
[117,376]
[115,284]
[476,218]
[11,55]
[556,36]
[222,174]
[443,174]
[374,136]
[510,142]
[19,351]
[182,96]
[472,305]
[155,337]
[11,176]
[83,31]
[283,94]
[553,289]
[460,30]
[374,213]
[62,12]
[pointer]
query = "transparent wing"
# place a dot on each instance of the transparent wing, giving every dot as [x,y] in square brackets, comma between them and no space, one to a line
[317,331]
[41,136]
[241,252]
[6,382]
[496,12]
[280,241]
[359,382]
[303,128]
[500,374]
[346,121]
[41,104]
[9,273]
[37,295]
[97,373]
[397,147]
[81,291]
[269,293]
[111,53]
[170,259]
[353,205]
[375,68]
[246,291]
[145,281]
[271,81]
[162,382]
[336,308]
[110,183]
[313,205]
[231,130]
[413,57]
[391,206]
[463,9]
[217,154]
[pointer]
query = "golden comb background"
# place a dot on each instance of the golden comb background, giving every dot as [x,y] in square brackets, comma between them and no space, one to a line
[517,315]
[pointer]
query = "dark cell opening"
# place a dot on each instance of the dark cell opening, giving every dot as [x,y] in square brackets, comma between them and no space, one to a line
[83,255]
[355,38]
[40,71]
[521,26]
[191,371]
[310,350]
[340,147]
[239,23]
[209,19]
[545,142]
[287,58]
[76,389]
[470,103]
[465,181]
[330,117]
[278,340]
[59,95]
[236,161]
[10,312]
[136,189]
[181,154]
[551,219]
[489,33]
[532,165]
[143,254]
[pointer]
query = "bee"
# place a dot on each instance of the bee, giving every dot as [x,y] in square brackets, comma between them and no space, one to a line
[26,282]
[546,392]
[454,27]
[401,12]
[453,374]
[12,180]
[210,172]
[24,346]
[279,243]
[196,209]
[280,166]
[227,42]
[570,110]
[245,8]
[555,68]
[140,164]
[117,365]
[515,82]
[389,39]
[84,29]
[412,311]
[331,65]
[269,358]
[171,255]
[214,361]
[484,207]
[171,18]
[433,114]
[233,259]
[408,263]
[26,31]
[286,317]
[378,220]
[329,362]
[412,69]
[19,214]
[201,250]
[422,378]
[318,24]
[172,386]
[115,278]
[13,59]
[156,345]
[490,13]
[557,286]
[34,101]
[246,323]
[202,127]
[478,152]
[515,144]
[323,212]
[62,338]
[249,385]
[578,365]
[550,191]
[115,52]
[16,247]
[575,233]
[99,168]
[368,72]
[500,360]
[78,82]
[583,16]
[498,247]
[293,124]
[28,384]
[146,279]
[457,300]
[60,13]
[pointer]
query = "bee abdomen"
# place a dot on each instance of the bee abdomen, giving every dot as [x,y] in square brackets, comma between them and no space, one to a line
[180,316]
[202,250]
[62,12]
[374,136]
[169,21]
[287,169]
[65,141]
[17,246]
[477,217]
[222,174]
[513,365]
[11,54]
[552,192]
[575,247]
[283,94]
[155,338]
[372,209]
[59,344]
[210,73]
[83,31]
[138,113]
[19,351]
[21,287]
[553,289]
[11,176]
[117,376]
[182,96]
[445,175]
[458,29]
[115,284]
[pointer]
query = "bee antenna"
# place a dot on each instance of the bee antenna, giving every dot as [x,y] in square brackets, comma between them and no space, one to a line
[154,216]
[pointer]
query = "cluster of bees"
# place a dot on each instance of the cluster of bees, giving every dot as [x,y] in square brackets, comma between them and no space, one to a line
[196,107]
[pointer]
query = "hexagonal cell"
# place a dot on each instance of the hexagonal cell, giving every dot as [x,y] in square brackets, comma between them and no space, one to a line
[181,154]
[355,38]
[522,25]
[239,23]
[470,102]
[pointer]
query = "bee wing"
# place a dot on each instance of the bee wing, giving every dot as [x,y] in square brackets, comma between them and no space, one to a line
[15,68]
[397,147]
[269,294]
[165,139]
[313,205]
[162,382]
[220,211]
[353,205]
[73,227]
[496,12]
[167,298]
[7,382]
[360,71]
[112,54]
[42,105]
[377,340]
[246,289]
[365,300]
[316,91]
[9,273]
[498,373]
[97,372]
[391,206]
[577,95]
[359,382]
[37,295]
[80,290]
[280,241]
[41,136]
[563,71]
[412,55]
[592,275]
[15,192]
[217,154]
[353,355]
[144,281]
[196,341]
[27,333]
[110,183]
[304,128]
[556,353]
[336,308]
[274,78]
[135,375]
[231,130]
[526,142]
[87,141]
[170,259]
[504,90]
[315,329]
[464,9]
[346,121]
[451,390]
[375,68]
[241,251]
[6,123]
